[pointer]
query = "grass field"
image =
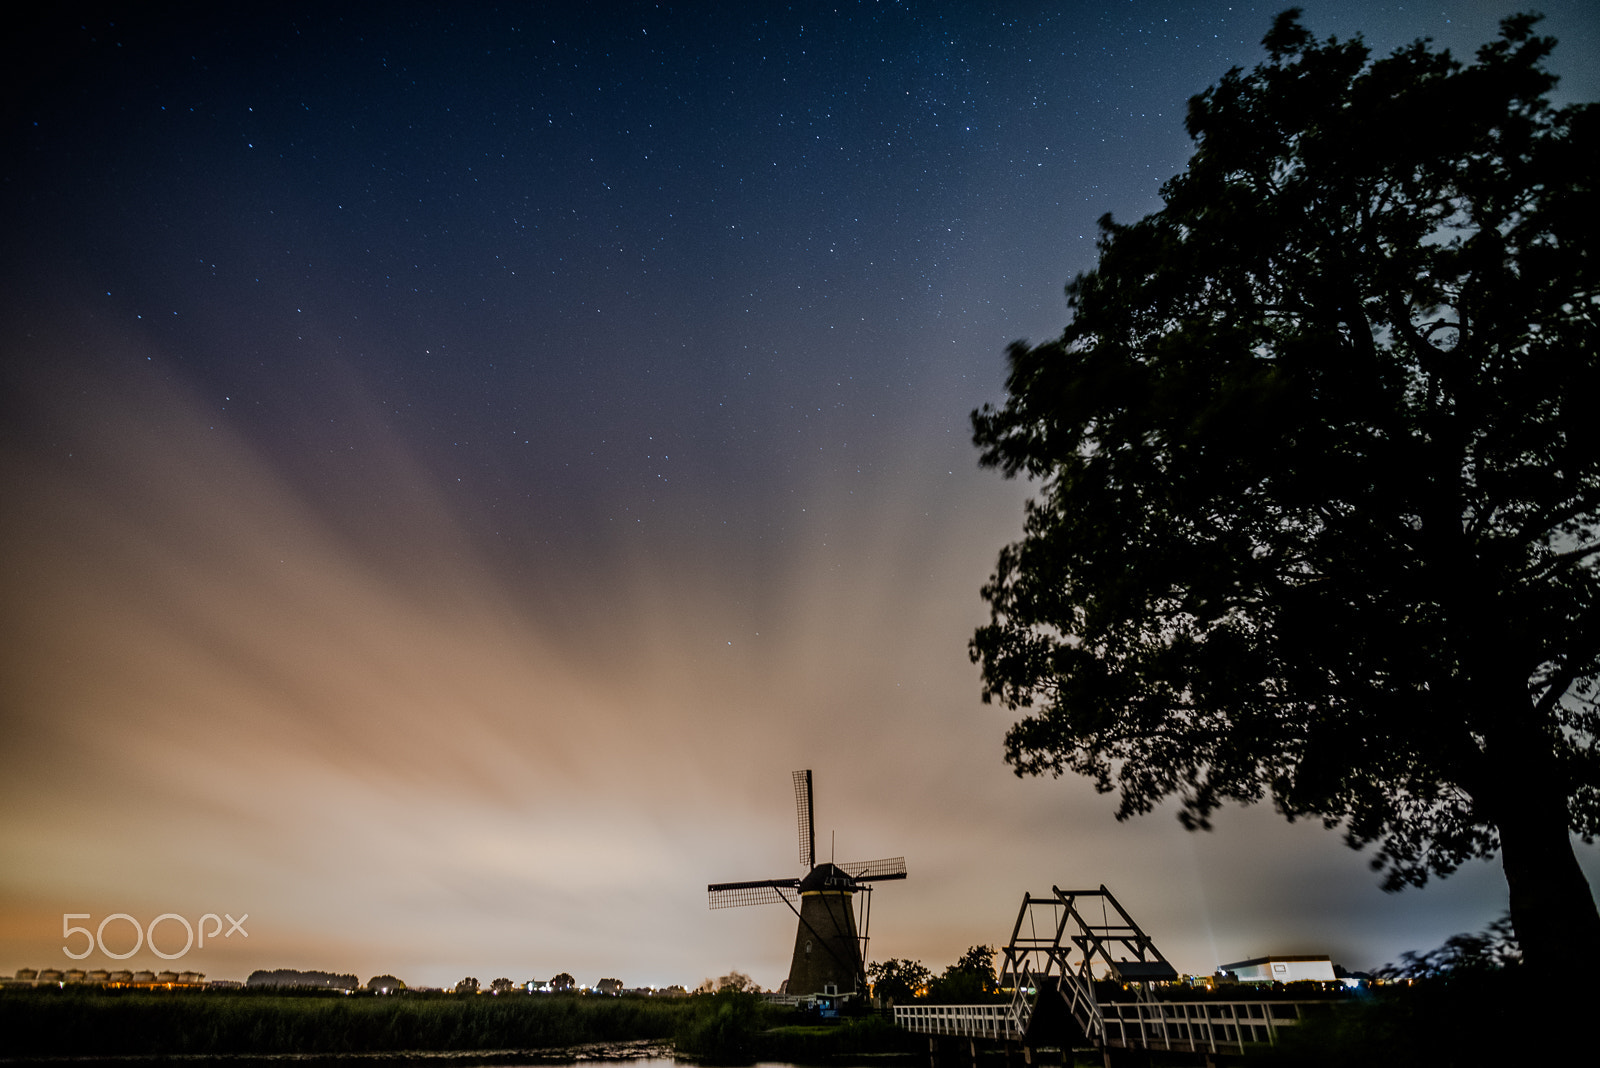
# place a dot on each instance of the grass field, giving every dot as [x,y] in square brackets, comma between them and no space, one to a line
[727,1028]
[90,1022]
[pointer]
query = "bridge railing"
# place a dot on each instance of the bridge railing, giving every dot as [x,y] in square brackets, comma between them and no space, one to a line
[1215,1026]
[967,1021]
[1192,1026]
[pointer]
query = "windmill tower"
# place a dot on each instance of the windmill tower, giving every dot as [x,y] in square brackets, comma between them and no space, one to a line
[829,946]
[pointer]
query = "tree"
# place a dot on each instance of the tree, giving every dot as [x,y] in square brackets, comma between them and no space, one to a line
[1320,476]
[1493,949]
[734,982]
[563,983]
[969,980]
[738,982]
[385,984]
[469,985]
[898,980]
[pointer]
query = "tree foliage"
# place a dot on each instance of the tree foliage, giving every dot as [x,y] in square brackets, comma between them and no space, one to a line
[1493,949]
[1320,472]
[898,980]
[735,981]
[738,982]
[969,980]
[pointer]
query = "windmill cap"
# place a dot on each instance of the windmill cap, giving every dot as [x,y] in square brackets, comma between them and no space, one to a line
[827,877]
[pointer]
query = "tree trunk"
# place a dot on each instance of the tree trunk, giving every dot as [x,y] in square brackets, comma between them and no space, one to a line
[1552,906]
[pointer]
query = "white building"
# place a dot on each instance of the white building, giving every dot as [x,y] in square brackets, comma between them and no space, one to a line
[1284,968]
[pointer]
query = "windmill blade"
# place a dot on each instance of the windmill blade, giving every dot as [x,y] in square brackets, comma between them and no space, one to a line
[864,871]
[802,804]
[758,892]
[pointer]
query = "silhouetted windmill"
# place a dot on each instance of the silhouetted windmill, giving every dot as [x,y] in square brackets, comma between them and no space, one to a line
[828,950]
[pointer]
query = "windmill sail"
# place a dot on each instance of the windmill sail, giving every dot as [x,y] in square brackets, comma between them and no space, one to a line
[868,870]
[802,804]
[758,892]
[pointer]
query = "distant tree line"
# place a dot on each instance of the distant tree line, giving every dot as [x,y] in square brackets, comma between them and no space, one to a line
[294,978]
[562,983]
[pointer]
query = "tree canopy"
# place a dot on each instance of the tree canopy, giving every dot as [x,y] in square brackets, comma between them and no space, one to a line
[970,979]
[1492,949]
[1319,470]
[898,980]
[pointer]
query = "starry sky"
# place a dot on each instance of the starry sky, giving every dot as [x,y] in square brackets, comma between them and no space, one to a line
[454,467]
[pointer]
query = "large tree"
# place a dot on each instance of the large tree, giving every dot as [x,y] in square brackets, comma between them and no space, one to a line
[898,980]
[969,980]
[1319,466]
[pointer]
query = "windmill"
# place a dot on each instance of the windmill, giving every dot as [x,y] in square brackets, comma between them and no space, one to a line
[829,947]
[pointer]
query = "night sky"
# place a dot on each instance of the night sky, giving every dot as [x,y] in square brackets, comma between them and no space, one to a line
[455,467]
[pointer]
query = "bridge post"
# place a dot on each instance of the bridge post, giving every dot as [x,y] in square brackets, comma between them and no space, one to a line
[942,1051]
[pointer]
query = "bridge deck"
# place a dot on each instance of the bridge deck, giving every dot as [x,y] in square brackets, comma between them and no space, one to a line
[1193,1026]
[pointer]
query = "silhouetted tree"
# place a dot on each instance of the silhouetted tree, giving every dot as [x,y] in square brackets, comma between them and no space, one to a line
[738,982]
[563,982]
[293,977]
[898,980]
[735,981]
[969,980]
[387,984]
[469,985]
[1493,949]
[1320,473]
